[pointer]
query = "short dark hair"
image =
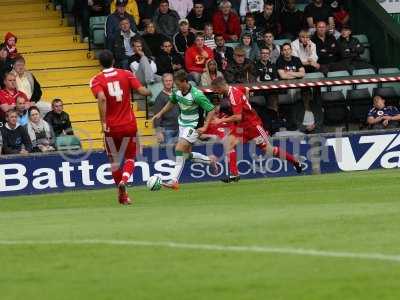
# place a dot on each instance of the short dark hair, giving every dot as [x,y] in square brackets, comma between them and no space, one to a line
[268,31]
[250,16]
[19,58]
[200,34]
[164,1]
[33,108]
[181,75]
[287,44]
[11,111]
[265,48]
[106,59]
[56,100]
[269,3]
[218,35]
[124,19]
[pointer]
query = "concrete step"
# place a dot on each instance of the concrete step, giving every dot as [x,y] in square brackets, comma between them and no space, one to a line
[66,77]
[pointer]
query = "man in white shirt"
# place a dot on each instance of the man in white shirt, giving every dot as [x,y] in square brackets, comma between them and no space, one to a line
[306,50]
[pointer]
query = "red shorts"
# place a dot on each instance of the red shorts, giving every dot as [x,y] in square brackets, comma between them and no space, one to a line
[251,132]
[120,144]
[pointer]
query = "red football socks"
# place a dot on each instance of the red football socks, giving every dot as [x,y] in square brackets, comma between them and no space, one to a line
[127,170]
[117,175]
[277,152]
[232,163]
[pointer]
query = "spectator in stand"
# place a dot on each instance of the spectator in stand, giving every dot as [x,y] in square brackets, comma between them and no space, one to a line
[350,50]
[250,47]
[153,39]
[292,20]
[166,19]
[198,17]
[169,61]
[327,49]
[268,42]
[226,22]
[210,73]
[381,116]
[166,127]
[141,65]
[90,8]
[266,69]
[131,8]
[122,45]
[10,40]
[290,67]
[182,7]
[306,50]
[223,54]
[21,110]
[209,37]
[58,119]
[39,131]
[268,19]
[251,28]
[113,27]
[15,137]
[250,7]
[196,58]
[147,9]
[241,69]
[6,64]
[184,38]
[27,83]
[340,13]
[9,95]
[318,11]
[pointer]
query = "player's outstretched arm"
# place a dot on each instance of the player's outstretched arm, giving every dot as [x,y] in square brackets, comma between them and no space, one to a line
[210,116]
[144,91]
[167,107]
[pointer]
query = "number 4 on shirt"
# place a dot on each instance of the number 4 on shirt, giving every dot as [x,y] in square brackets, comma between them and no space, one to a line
[114,89]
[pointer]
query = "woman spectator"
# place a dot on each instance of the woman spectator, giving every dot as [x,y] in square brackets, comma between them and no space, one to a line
[39,131]
[28,84]
[153,39]
[210,73]
[251,48]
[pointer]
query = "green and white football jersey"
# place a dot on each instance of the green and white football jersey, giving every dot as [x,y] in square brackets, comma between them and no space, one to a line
[189,105]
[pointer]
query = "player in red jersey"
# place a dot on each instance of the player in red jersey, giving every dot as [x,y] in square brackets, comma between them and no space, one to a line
[248,125]
[112,88]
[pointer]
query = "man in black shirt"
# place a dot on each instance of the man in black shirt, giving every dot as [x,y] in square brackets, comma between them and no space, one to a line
[59,119]
[15,137]
[198,17]
[251,28]
[222,54]
[169,61]
[319,11]
[292,20]
[266,70]
[268,19]
[184,38]
[327,50]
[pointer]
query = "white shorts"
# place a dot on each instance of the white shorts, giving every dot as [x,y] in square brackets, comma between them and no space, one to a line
[189,134]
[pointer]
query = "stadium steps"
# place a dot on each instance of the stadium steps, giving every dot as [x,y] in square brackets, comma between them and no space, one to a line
[61,64]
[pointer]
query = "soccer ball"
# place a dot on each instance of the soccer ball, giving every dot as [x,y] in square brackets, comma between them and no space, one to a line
[154,183]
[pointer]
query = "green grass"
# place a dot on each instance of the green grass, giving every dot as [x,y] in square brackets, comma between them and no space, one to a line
[346,212]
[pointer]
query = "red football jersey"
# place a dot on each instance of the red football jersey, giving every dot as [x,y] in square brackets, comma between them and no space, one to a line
[116,84]
[240,105]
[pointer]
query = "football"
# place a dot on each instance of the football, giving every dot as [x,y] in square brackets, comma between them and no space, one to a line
[154,183]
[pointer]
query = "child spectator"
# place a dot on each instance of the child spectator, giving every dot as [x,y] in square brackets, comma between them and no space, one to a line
[167,128]
[250,47]
[227,22]
[58,119]
[210,73]
[169,61]
[39,131]
[10,40]
[209,36]
[15,137]
[153,39]
[196,58]
[166,19]
[184,38]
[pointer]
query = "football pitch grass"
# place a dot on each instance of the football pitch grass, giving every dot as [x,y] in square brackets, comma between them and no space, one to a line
[307,237]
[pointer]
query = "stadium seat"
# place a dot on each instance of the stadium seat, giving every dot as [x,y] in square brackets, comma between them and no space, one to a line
[335,108]
[361,72]
[96,31]
[232,44]
[389,94]
[68,142]
[388,71]
[359,103]
[301,6]
[363,39]
[343,88]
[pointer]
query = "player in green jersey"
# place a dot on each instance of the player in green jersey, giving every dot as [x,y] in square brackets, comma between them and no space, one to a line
[190,100]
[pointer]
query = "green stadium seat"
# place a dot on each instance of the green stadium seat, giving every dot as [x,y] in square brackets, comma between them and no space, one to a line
[232,44]
[389,71]
[281,42]
[359,102]
[68,142]
[361,72]
[301,6]
[363,39]
[96,31]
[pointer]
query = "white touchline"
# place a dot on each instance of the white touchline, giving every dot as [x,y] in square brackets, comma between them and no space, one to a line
[211,247]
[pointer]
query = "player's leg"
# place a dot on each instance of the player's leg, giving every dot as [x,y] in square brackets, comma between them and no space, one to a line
[231,156]
[267,148]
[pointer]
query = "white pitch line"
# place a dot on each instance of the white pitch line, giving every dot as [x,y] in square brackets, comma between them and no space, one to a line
[211,247]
